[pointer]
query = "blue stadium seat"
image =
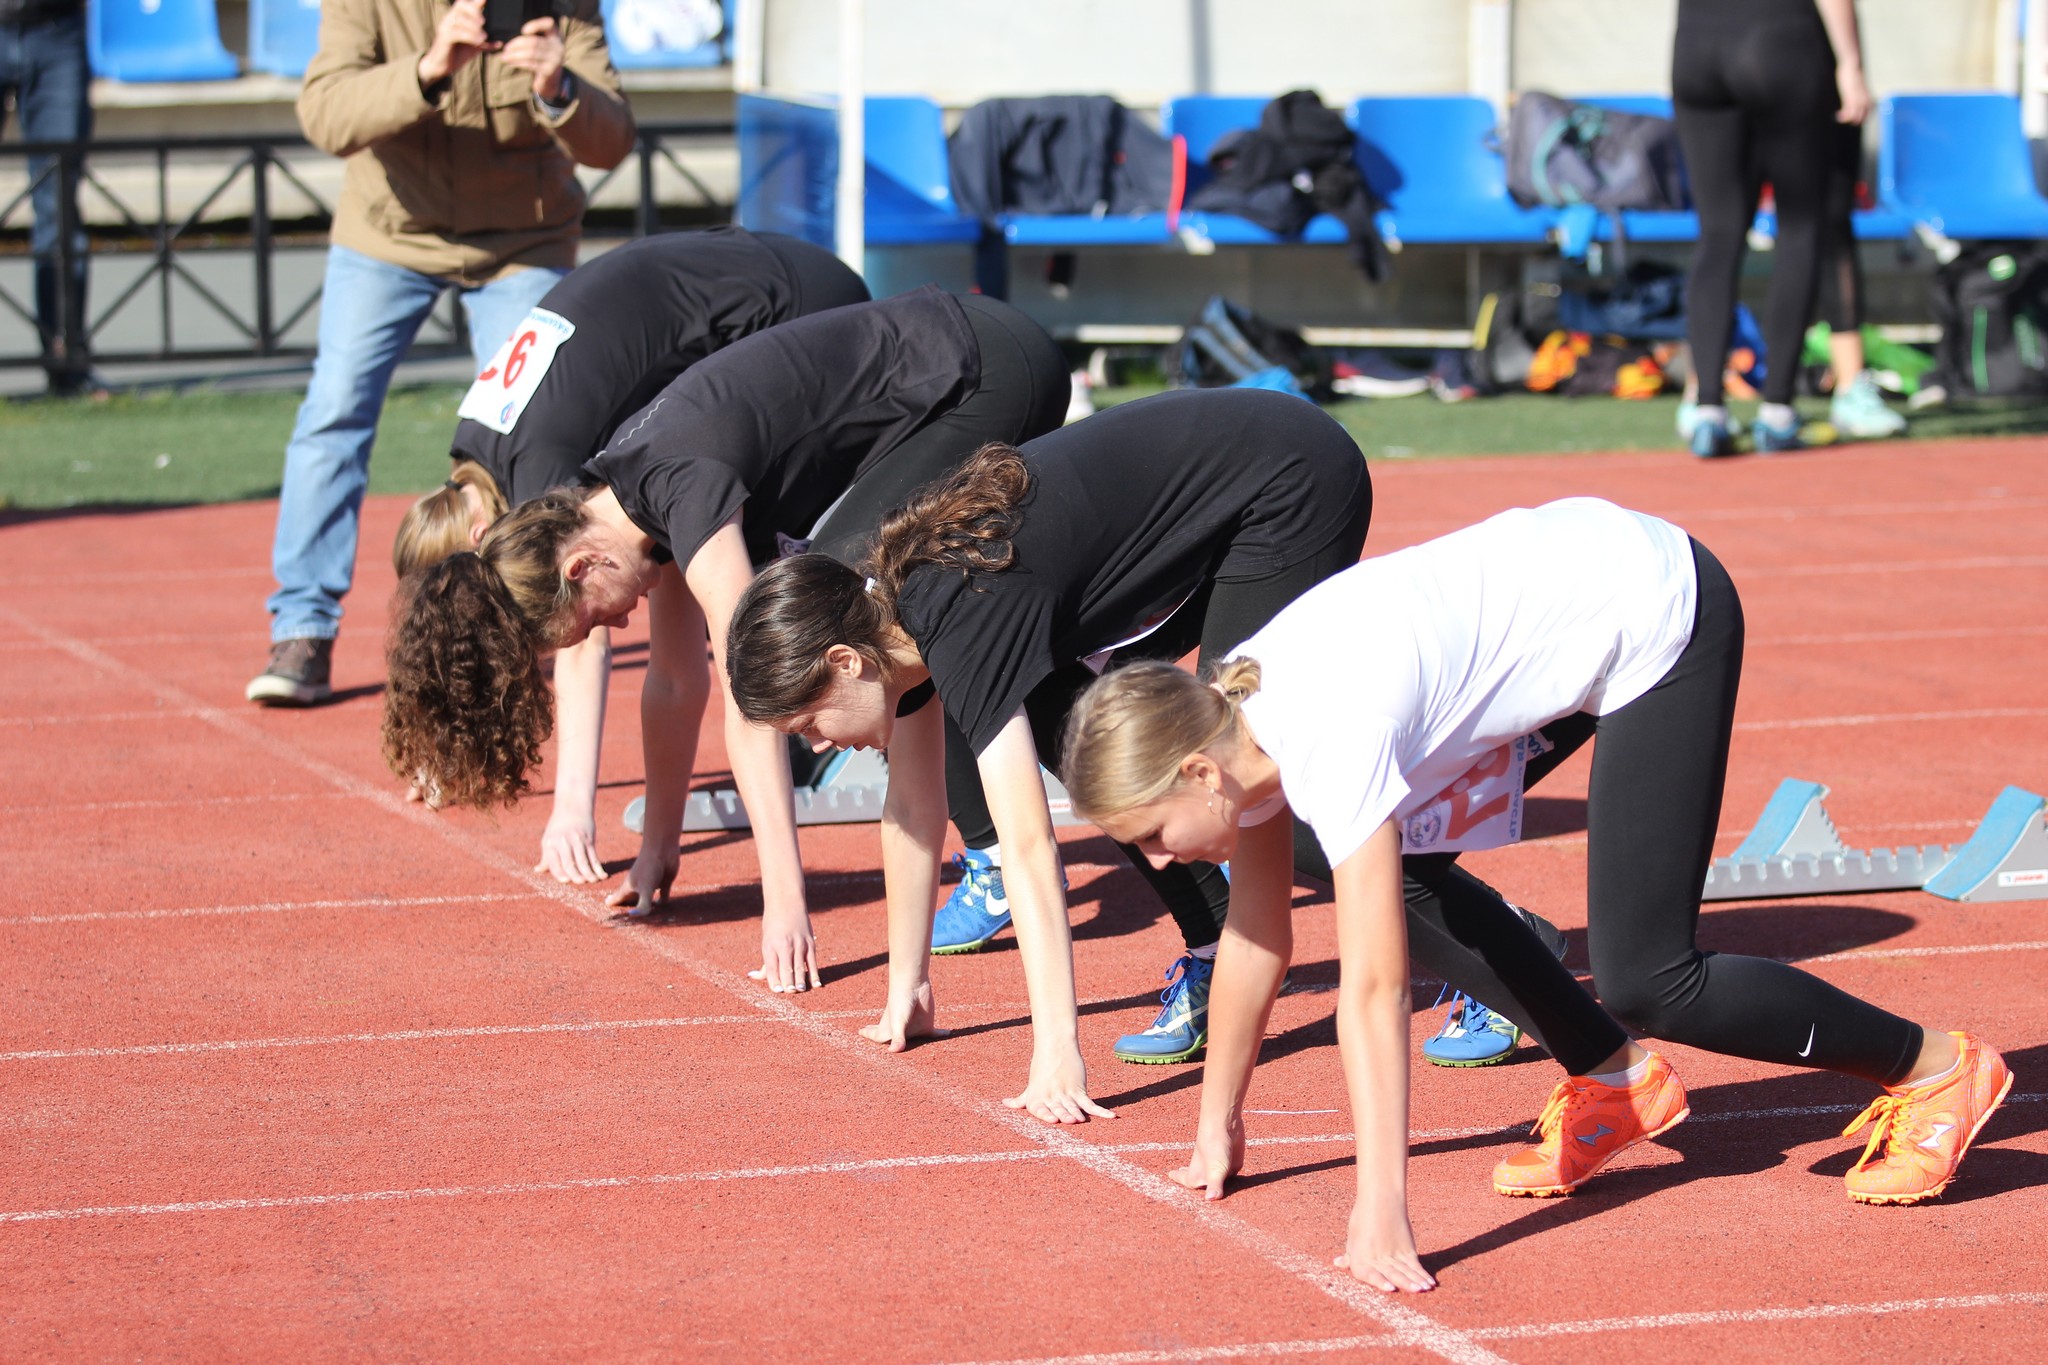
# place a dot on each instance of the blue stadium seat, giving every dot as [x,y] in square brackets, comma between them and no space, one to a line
[1960,164]
[283,35]
[789,169]
[1203,120]
[636,32]
[157,40]
[1431,159]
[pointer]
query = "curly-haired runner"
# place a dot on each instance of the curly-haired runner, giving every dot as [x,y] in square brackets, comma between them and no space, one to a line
[1178,520]
[594,351]
[753,446]
[1394,708]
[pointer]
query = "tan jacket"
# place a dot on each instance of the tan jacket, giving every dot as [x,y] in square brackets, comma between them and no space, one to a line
[476,181]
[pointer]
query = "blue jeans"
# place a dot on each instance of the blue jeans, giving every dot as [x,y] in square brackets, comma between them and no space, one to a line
[43,63]
[369,313]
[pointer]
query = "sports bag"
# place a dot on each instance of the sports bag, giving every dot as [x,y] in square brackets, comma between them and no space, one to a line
[1992,304]
[1226,344]
[1562,152]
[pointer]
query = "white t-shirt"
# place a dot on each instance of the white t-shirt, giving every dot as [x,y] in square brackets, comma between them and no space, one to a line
[1386,685]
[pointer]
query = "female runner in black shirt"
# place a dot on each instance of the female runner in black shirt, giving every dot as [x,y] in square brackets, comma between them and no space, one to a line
[1184,519]
[740,456]
[598,346]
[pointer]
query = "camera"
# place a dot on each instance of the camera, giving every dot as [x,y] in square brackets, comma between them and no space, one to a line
[503,19]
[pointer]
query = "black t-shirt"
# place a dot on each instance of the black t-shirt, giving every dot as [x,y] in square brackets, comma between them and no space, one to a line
[784,421]
[641,314]
[1128,514]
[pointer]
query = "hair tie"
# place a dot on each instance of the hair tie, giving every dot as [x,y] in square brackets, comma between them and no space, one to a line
[870,588]
[450,483]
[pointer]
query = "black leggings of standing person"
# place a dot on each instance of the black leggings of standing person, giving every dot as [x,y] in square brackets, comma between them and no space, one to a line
[1753,91]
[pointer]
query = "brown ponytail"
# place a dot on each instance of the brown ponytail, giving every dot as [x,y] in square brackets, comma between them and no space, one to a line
[797,609]
[1131,729]
[467,707]
[438,525]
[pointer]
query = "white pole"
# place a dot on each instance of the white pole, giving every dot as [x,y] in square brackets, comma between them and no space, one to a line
[853,158]
[2034,70]
[749,42]
[1489,51]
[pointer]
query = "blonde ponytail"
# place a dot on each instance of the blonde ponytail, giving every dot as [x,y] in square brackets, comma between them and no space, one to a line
[437,526]
[1131,729]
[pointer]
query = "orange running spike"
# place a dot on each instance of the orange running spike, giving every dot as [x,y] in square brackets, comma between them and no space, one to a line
[1586,1125]
[1925,1129]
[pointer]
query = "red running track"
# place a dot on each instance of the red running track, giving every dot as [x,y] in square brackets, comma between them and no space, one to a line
[291,1069]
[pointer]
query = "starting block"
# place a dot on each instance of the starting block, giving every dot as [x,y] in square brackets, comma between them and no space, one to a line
[849,792]
[1794,850]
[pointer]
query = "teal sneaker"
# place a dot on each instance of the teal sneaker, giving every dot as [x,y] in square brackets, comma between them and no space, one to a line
[976,911]
[1688,420]
[1183,1023]
[1860,411]
[1472,1035]
[1710,439]
[1770,440]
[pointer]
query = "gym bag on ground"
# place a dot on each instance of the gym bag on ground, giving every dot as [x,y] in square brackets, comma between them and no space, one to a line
[1992,304]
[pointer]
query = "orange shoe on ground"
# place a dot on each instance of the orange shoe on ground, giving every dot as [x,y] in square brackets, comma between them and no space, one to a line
[1925,1129]
[1586,1125]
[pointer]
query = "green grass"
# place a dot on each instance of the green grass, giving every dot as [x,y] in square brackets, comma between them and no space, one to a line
[203,446]
[197,446]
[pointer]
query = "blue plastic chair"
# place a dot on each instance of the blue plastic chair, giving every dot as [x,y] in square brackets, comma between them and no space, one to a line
[1203,120]
[789,171]
[283,35]
[1431,159]
[157,40]
[1960,164]
[637,47]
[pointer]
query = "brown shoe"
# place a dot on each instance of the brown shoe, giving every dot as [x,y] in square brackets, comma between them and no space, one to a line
[296,675]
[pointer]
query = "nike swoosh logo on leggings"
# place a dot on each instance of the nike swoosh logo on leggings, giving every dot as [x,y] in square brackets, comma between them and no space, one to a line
[1809,1041]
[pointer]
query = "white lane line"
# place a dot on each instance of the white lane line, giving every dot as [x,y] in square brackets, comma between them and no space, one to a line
[1862,637]
[1782,571]
[1952,950]
[1652,1322]
[402,1036]
[167,803]
[1896,718]
[135,576]
[1179,1355]
[267,908]
[207,637]
[105,717]
[1101,1152]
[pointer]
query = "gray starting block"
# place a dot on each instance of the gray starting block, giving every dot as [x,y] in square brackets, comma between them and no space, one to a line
[1794,850]
[850,792]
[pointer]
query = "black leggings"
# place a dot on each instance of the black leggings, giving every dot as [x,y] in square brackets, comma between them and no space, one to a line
[1841,278]
[1753,92]
[820,279]
[1652,809]
[1218,618]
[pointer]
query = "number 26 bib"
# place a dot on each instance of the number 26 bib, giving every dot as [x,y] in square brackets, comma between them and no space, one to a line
[507,384]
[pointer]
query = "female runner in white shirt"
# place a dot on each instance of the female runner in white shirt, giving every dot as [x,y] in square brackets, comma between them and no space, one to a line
[1391,707]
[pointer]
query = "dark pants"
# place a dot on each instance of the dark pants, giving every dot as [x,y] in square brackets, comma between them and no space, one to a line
[1651,811]
[43,65]
[1754,101]
[1218,618]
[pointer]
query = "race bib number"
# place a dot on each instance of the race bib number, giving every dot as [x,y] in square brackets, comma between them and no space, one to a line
[507,384]
[1482,809]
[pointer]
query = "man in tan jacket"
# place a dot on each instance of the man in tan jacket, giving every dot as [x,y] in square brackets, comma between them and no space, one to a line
[461,174]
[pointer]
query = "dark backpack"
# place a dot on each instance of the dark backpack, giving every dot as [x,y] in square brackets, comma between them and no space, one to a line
[1562,152]
[1226,344]
[1300,161]
[1992,304]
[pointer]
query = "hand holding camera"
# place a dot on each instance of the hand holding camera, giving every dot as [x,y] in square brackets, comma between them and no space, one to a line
[522,32]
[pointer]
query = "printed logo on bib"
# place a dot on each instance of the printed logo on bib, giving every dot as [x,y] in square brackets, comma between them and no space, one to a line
[789,547]
[507,384]
[1482,809]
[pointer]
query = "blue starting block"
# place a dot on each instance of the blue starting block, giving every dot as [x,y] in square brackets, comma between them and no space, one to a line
[1794,850]
[849,792]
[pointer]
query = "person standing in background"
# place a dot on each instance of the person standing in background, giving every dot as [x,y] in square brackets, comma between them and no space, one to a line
[1857,407]
[1758,87]
[43,66]
[461,174]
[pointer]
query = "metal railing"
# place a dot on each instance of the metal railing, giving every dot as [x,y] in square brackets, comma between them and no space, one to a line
[167,243]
